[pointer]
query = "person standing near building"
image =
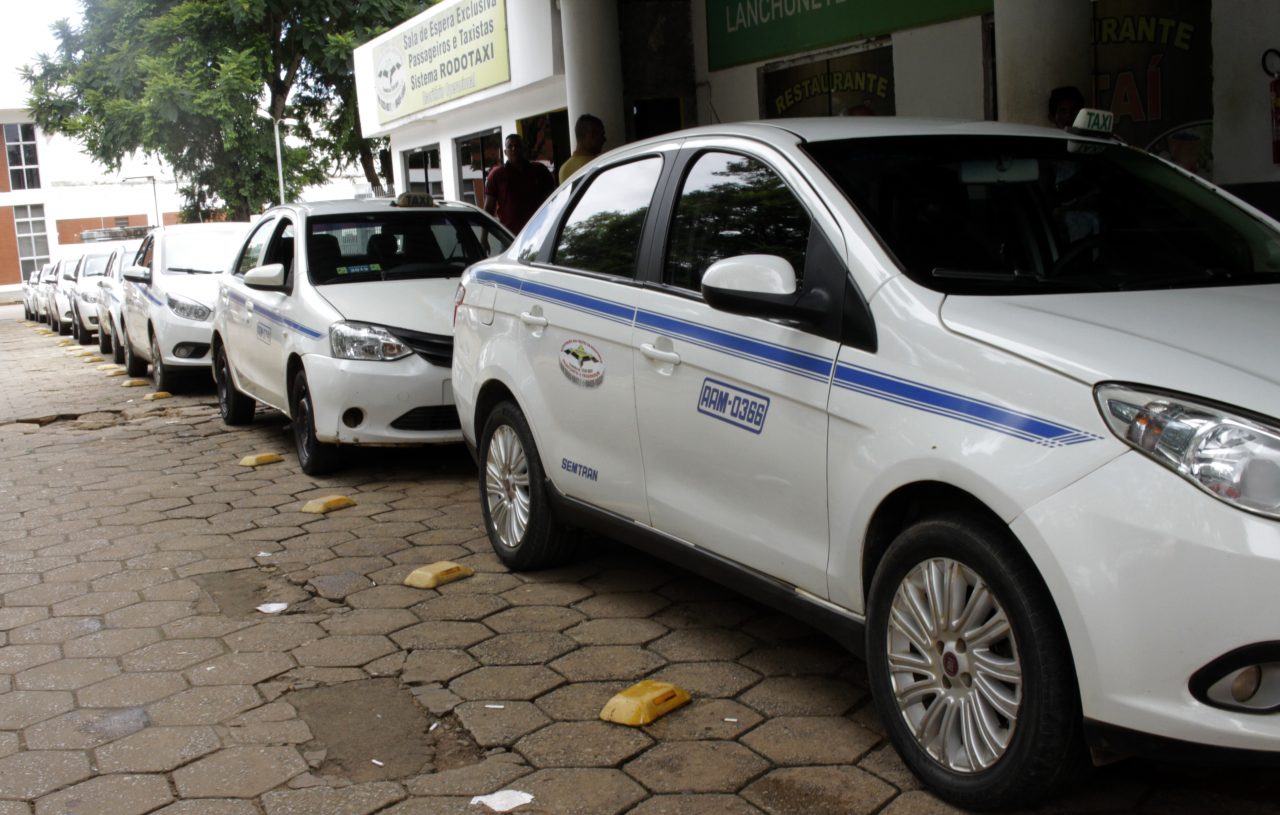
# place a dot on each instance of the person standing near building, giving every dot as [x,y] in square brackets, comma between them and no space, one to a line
[515,189]
[589,131]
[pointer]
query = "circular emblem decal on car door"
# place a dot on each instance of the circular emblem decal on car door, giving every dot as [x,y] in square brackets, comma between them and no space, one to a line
[582,364]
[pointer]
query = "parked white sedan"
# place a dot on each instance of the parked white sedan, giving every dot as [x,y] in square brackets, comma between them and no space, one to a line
[168,305]
[996,405]
[111,288]
[340,315]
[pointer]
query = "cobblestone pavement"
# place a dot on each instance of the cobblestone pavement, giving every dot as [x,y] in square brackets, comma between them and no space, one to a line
[136,675]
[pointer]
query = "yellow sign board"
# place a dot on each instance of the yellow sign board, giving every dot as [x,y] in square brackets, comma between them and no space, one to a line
[449,52]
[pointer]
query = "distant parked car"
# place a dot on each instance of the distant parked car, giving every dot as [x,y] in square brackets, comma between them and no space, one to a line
[84,300]
[42,292]
[29,284]
[111,298]
[62,294]
[340,315]
[167,317]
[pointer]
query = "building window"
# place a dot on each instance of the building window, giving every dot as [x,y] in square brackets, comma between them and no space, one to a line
[477,155]
[33,242]
[422,168]
[20,143]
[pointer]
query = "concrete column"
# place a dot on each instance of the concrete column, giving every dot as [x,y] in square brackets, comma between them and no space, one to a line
[593,64]
[1040,45]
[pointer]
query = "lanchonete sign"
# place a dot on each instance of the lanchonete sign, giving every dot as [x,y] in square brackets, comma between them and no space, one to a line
[446,53]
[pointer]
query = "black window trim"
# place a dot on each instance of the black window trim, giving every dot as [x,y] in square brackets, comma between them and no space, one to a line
[581,185]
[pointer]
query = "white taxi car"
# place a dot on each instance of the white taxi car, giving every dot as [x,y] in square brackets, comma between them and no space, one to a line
[997,405]
[84,294]
[340,315]
[111,287]
[62,294]
[167,316]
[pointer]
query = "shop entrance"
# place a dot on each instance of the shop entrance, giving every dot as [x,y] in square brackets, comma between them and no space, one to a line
[547,137]
[477,155]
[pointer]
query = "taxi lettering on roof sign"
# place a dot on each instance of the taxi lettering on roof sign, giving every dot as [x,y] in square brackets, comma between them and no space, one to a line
[1023,425]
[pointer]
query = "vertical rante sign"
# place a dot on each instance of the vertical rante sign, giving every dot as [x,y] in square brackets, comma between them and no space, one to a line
[1154,62]
[448,52]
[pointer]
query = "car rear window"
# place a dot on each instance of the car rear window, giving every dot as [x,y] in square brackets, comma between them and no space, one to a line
[1025,215]
[399,245]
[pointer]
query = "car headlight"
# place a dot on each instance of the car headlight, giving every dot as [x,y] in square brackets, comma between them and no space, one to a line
[88,297]
[1233,457]
[362,341]
[189,309]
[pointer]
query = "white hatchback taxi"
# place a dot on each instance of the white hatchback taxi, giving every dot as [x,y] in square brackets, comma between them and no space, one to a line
[167,316]
[340,315]
[996,405]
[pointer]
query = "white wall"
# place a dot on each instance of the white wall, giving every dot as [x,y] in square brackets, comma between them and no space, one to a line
[1040,45]
[938,71]
[1242,30]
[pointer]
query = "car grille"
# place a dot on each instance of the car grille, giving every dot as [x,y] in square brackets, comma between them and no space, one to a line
[438,417]
[434,348]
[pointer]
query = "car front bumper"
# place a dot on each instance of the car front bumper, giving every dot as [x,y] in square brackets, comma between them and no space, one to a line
[1155,580]
[173,331]
[404,401]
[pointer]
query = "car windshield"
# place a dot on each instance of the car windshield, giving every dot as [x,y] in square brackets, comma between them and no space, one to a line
[402,244]
[94,265]
[1025,215]
[202,252]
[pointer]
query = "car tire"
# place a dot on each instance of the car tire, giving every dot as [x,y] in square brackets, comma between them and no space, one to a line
[104,337]
[62,328]
[164,377]
[84,335]
[118,340]
[990,712]
[236,408]
[518,515]
[134,365]
[314,456]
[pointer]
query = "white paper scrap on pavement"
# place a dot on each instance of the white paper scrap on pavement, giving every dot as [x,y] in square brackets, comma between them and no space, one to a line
[272,608]
[503,800]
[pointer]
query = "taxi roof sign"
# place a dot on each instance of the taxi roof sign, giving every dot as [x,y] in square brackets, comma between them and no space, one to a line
[1093,122]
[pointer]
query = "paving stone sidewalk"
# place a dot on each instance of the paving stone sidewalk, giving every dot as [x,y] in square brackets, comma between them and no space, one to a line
[137,676]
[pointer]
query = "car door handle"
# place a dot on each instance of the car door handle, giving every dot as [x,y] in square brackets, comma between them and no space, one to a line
[652,352]
[533,320]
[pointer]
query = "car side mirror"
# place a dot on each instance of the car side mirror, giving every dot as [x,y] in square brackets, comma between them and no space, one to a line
[270,276]
[138,274]
[761,286]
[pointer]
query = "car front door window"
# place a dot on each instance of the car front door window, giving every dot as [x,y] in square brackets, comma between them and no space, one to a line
[731,408]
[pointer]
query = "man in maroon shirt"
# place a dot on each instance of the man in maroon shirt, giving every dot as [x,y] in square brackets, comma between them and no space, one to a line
[514,190]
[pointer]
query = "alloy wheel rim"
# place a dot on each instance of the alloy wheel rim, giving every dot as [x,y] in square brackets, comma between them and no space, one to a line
[506,481]
[220,379]
[954,666]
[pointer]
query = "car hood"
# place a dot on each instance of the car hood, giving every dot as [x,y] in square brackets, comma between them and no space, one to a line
[1217,343]
[203,288]
[418,305]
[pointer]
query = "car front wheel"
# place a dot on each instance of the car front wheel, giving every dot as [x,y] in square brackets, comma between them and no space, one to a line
[165,378]
[518,516]
[118,341]
[315,457]
[235,407]
[104,338]
[84,335]
[134,365]
[970,668]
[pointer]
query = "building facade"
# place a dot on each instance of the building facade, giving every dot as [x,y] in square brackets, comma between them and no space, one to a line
[1184,77]
[51,194]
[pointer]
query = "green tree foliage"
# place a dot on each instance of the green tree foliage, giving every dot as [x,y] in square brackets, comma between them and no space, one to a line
[183,79]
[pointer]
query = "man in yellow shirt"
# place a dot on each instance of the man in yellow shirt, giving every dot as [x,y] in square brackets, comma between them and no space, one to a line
[589,131]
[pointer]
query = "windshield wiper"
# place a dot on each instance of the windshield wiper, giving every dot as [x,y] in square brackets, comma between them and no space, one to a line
[185,270]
